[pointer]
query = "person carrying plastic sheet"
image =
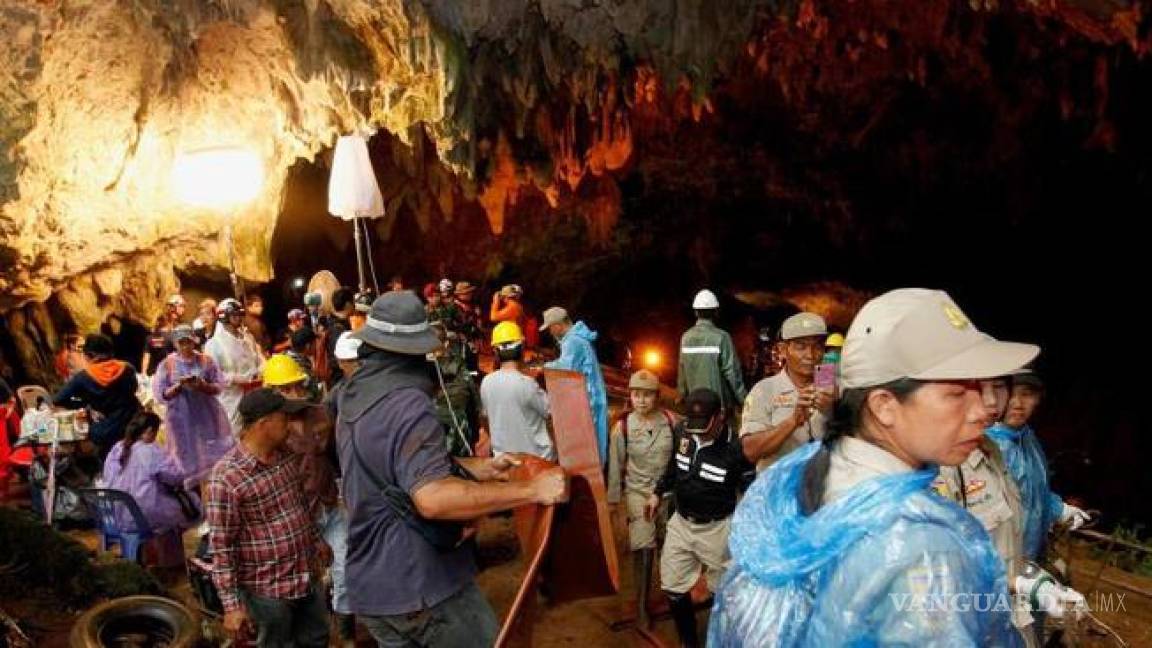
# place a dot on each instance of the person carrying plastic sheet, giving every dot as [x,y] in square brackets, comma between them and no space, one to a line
[578,354]
[843,542]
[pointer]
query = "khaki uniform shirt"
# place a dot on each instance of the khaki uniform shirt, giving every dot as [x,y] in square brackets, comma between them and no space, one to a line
[854,461]
[771,402]
[983,486]
[638,463]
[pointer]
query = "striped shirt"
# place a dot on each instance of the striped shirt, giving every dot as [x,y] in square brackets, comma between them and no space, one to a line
[261,537]
[704,477]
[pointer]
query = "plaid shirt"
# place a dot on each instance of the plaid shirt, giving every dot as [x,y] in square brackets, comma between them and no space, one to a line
[262,538]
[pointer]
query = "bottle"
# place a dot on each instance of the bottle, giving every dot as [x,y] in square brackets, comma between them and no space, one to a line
[44,421]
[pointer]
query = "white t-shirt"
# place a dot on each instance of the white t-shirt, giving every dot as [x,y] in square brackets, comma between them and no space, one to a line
[517,411]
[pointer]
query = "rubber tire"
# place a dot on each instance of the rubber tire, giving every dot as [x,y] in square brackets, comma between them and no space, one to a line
[176,617]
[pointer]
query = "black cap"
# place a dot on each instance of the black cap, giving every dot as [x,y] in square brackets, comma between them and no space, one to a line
[98,345]
[1028,377]
[264,401]
[700,406]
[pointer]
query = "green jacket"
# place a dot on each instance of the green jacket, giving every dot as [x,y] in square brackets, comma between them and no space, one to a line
[460,397]
[708,359]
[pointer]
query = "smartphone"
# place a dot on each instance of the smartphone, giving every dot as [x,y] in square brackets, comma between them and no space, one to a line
[826,376]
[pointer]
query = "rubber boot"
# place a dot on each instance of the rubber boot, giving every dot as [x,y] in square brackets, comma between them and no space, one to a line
[684,617]
[642,573]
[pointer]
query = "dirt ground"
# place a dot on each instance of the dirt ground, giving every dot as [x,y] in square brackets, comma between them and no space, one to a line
[1119,599]
[584,623]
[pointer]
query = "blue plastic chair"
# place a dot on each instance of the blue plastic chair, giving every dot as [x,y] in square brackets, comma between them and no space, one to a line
[120,519]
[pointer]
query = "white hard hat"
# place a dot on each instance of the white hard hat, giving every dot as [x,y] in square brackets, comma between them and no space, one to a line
[705,299]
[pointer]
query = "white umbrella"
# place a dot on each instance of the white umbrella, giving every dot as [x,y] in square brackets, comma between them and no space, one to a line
[353,192]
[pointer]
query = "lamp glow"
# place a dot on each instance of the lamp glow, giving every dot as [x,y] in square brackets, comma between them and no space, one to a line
[653,359]
[218,177]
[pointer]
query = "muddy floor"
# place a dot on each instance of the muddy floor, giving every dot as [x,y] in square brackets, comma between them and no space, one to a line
[1119,599]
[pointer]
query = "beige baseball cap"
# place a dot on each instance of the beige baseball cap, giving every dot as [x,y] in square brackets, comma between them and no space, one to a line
[922,334]
[803,325]
[553,315]
[644,379]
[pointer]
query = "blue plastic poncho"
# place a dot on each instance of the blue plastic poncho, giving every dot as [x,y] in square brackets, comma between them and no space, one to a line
[889,563]
[1029,467]
[577,354]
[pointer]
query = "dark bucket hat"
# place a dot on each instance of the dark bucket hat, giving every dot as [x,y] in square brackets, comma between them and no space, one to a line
[398,323]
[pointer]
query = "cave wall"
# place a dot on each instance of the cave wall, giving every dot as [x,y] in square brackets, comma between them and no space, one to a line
[561,117]
[98,97]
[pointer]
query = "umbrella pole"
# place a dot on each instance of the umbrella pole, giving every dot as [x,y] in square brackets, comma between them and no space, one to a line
[50,497]
[358,238]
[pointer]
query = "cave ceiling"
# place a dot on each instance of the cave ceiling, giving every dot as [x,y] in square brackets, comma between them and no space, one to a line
[542,105]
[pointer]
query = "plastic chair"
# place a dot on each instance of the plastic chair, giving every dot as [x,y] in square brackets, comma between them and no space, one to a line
[29,395]
[120,520]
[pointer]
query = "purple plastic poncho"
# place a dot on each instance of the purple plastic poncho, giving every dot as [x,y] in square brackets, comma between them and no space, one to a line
[149,468]
[197,427]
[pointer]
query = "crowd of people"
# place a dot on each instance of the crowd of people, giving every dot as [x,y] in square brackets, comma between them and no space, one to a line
[901,496]
[880,487]
[864,474]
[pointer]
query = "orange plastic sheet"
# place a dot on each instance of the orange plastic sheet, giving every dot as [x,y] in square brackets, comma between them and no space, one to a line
[572,550]
[584,560]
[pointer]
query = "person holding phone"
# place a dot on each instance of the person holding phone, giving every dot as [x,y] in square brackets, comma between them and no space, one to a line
[187,382]
[787,410]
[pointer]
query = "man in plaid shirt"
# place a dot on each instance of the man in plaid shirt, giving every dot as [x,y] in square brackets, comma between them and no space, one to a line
[265,549]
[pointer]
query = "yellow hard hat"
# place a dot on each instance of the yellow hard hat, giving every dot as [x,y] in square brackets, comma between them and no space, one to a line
[507,333]
[834,340]
[282,370]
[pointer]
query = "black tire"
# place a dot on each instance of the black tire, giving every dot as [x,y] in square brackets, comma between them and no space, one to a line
[164,620]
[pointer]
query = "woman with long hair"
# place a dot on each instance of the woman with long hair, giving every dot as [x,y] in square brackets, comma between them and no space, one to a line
[139,467]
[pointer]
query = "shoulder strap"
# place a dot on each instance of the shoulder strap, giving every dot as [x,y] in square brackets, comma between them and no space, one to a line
[376,481]
[397,499]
